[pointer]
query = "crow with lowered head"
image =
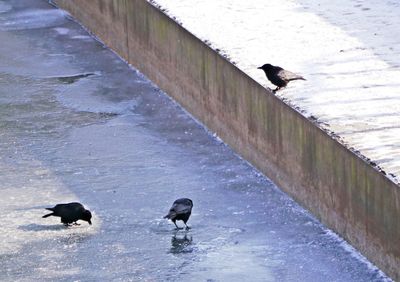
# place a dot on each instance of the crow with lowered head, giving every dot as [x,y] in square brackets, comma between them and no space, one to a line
[181,210]
[278,76]
[70,213]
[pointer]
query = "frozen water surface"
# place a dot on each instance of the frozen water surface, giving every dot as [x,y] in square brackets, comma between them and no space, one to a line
[77,124]
[349,52]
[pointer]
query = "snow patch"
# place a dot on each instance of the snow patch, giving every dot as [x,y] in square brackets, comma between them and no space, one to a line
[61,30]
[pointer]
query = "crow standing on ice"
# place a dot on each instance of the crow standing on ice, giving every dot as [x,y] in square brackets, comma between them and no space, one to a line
[278,76]
[70,213]
[180,210]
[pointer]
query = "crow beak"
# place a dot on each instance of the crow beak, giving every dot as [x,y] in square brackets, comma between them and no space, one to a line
[260,68]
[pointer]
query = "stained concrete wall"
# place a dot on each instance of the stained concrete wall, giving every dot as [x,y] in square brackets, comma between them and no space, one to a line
[341,189]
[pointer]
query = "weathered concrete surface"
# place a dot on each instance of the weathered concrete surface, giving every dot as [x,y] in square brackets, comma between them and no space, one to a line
[341,189]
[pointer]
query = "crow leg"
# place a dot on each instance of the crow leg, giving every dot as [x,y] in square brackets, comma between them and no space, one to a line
[187,227]
[75,223]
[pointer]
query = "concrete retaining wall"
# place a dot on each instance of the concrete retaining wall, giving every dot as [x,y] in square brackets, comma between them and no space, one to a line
[341,189]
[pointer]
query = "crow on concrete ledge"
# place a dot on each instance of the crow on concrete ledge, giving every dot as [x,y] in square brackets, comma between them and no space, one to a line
[278,76]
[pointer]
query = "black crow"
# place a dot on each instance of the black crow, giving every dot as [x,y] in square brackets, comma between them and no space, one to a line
[70,213]
[278,76]
[180,210]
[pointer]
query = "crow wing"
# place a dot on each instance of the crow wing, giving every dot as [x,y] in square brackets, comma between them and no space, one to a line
[69,212]
[179,207]
[288,75]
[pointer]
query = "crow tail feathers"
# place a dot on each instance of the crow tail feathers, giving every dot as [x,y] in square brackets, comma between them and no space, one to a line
[170,215]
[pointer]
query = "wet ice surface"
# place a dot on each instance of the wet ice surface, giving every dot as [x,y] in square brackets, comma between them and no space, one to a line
[348,51]
[77,124]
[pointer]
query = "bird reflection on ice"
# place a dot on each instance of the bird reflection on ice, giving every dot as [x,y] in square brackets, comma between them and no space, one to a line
[180,243]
